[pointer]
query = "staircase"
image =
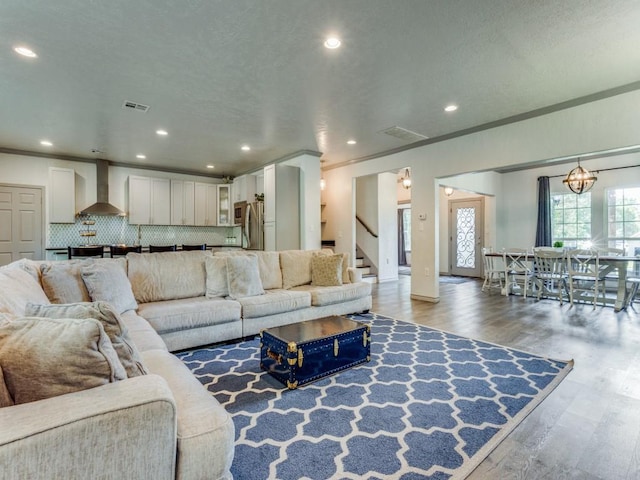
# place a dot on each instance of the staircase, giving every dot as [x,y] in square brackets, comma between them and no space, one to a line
[365,270]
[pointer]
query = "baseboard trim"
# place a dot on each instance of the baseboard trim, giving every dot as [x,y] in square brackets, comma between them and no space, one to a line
[423,298]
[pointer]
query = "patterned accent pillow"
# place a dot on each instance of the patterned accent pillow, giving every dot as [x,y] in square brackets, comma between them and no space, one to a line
[107,281]
[217,285]
[46,357]
[243,276]
[326,270]
[111,322]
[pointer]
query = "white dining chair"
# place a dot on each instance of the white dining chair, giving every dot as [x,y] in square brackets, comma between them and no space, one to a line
[550,272]
[585,274]
[518,270]
[493,271]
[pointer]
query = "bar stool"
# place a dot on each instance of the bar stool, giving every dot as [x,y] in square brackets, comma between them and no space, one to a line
[84,252]
[194,247]
[162,248]
[122,250]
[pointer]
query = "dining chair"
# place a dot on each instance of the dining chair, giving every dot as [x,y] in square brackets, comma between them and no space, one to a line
[84,252]
[550,273]
[202,246]
[493,271]
[518,271]
[584,273]
[162,248]
[122,250]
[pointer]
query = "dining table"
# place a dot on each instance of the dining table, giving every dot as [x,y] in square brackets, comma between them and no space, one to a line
[612,264]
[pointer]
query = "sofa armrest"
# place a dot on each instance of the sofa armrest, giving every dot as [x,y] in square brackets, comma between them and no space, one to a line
[354,275]
[124,430]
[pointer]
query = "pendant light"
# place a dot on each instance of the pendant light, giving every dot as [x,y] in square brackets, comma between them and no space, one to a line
[579,180]
[406,180]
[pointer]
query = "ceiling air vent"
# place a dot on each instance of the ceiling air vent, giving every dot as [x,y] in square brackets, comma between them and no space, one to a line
[127,105]
[404,134]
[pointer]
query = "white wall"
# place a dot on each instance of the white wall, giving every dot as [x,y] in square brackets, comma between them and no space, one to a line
[367,211]
[598,126]
[387,227]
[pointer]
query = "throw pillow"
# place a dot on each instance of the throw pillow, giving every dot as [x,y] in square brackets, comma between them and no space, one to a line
[243,276]
[46,357]
[5,396]
[326,270]
[17,288]
[107,281]
[296,267]
[62,282]
[111,322]
[216,268]
[345,268]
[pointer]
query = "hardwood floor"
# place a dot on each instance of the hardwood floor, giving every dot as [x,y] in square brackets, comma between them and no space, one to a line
[589,427]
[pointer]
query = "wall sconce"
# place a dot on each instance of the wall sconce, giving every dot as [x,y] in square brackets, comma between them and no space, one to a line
[579,180]
[323,183]
[448,191]
[406,180]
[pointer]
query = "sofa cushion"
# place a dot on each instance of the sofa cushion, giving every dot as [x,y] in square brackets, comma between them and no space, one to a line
[216,268]
[111,322]
[326,270]
[107,281]
[243,276]
[63,283]
[268,265]
[187,313]
[167,275]
[142,333]
[274,302]
[296,267]
[205,430]
[329,295]
[5,396]
[17,288]
[46,357]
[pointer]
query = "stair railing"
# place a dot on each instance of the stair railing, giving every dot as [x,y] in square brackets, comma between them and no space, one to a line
[366,227]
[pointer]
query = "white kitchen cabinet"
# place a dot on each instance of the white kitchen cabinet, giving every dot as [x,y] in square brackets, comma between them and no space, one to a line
[206,204]
[282,207]
[62,195]
[225,210]
[244,188]
[182,202]
[149,201]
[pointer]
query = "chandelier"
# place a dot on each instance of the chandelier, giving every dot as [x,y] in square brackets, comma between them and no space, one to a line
[579,180]
[406,180]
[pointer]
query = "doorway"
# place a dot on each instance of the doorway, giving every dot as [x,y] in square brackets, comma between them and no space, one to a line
[466,233]
[21,223]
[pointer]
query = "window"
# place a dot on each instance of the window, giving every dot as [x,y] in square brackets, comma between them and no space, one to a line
[406,225]
[623,216]
[571,217]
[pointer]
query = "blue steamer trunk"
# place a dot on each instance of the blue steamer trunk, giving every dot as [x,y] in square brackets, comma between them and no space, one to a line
[303,352]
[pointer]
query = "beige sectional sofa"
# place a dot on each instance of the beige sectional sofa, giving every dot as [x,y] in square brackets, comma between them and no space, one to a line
[162,424]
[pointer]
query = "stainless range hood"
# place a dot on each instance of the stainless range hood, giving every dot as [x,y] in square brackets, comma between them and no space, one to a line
[102,207]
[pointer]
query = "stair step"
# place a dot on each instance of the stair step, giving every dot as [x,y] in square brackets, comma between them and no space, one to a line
[359,262]
[370,278]
[364,270]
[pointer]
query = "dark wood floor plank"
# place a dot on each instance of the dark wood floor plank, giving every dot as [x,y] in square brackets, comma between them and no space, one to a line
[589,427]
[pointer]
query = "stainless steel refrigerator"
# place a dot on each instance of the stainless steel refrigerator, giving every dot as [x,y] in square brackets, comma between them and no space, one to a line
[254,226]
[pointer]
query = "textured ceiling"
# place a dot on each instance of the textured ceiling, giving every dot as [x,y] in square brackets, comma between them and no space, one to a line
[220,74]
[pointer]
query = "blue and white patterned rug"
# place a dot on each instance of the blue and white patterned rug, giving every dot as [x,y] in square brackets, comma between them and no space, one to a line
[429,404]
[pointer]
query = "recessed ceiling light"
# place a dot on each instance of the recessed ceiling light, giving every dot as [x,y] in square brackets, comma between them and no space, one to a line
[450,108]
[162,132]
[210,166]
[46,143]
[25,52]
[245,148]
[332,42]
[351,142]
[141,156]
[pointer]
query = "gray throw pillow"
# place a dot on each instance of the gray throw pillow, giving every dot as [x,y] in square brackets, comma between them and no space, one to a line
[216,268]
[46,357]
[243,276]
[107,281]
[63,283]
[111,322]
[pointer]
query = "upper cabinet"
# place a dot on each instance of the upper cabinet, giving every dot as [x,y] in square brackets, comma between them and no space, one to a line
[149,201]
[182,202]
[62,195]
[206,204]
[225,211]
[244,188]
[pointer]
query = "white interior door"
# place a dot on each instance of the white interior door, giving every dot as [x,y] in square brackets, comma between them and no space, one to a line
[466,231]
[20,223]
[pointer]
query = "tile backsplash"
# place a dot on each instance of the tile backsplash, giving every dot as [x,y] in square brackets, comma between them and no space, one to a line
[113,230]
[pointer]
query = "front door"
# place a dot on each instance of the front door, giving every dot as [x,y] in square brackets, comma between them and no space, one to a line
[20,223]
[466,221]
